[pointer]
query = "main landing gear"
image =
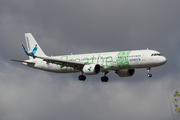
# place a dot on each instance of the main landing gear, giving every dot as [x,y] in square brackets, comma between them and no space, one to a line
[149,75]
[82,77]
[105,78]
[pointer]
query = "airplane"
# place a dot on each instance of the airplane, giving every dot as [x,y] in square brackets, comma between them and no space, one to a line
[123,63]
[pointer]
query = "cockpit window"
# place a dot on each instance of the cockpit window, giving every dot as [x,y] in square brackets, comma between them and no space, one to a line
[156,54]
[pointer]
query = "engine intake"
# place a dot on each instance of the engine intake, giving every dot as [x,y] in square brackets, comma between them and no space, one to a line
[91,69]
[125,72]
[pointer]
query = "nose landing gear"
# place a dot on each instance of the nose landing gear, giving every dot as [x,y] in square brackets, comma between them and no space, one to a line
[149,75]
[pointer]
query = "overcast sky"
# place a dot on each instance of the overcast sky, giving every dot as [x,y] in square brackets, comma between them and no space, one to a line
[84,26]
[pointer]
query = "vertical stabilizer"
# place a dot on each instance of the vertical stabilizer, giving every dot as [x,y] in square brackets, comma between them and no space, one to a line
[32,46]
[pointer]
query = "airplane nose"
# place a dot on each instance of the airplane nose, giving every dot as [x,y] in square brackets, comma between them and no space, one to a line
[163,60]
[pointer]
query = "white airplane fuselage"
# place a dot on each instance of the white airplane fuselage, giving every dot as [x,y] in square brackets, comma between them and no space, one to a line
[110,60]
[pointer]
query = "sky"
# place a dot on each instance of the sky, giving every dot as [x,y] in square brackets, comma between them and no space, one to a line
[62,27]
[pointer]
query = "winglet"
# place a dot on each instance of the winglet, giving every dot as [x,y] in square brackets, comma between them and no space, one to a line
[25,49]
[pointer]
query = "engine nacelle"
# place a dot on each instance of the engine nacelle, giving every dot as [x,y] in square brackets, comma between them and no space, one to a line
[91,69]
[125,72]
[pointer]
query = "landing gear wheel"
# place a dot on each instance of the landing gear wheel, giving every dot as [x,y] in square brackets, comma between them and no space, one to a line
[149,75]
[82,77]
[104,79]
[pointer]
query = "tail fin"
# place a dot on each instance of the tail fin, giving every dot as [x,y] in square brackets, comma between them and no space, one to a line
[32,46]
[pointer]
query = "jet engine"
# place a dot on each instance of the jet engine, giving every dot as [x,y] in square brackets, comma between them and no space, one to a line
[125,72]
[91,69]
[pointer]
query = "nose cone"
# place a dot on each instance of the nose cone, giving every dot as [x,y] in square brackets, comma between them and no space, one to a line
[162,60]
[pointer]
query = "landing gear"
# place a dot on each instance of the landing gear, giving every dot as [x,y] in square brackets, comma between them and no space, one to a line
[82,77]
[149,74]
[104,78]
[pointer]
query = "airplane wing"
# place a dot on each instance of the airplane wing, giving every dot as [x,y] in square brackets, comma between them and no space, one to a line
[68,63]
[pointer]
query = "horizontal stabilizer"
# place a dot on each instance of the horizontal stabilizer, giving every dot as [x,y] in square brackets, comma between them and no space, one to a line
[25,61]
[16,60]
